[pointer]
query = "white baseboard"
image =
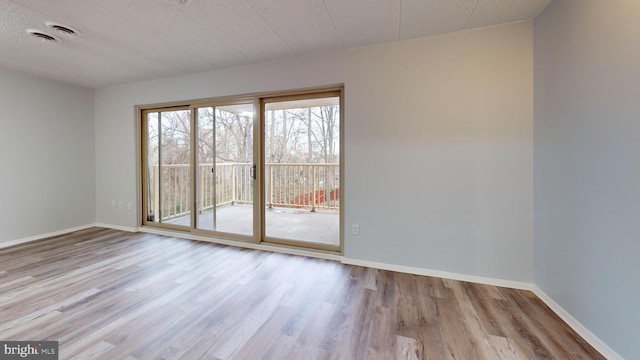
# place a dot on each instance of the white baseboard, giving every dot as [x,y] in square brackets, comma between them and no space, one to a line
[5,244]
[116,227]
[589,337]
[440,274]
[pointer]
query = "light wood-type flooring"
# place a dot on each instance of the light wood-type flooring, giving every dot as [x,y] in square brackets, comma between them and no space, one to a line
[107,294]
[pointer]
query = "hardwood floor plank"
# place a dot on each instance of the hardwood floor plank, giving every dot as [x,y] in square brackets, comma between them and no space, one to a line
[504,349]
[261,342]
[357,332]
[407,348]
[107,294]
[11,324]
[371,279]
[526,331]
[381,344]
[428,332]
[506,327]
[568,343]
[309,322]
[231,341]
[478,336]
[481,299]
[94,352]
[456,339]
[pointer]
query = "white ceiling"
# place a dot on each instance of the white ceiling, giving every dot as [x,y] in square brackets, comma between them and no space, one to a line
[124,41]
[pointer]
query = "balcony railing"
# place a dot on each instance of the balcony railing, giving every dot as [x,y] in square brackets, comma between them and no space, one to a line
[307,186]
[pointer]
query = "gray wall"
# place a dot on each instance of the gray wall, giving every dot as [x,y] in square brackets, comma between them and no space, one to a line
[438,145]
[587,165]
[47,183]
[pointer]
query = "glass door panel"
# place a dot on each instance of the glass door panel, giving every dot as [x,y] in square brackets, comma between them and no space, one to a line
[225,170]
[168,171]
[302,171]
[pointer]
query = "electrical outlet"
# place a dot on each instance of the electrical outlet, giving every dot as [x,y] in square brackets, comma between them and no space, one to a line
[129,205]
[355,229]
[113,203]
[120,204]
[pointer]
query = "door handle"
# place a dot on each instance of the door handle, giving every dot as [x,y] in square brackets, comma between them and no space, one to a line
[252,172]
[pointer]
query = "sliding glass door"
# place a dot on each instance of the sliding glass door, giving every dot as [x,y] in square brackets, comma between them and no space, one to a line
[168,169]
[225,170]
[260,169]
[302,170]
[199,172]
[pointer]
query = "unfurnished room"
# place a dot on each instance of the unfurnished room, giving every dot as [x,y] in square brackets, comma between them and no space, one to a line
[319,179]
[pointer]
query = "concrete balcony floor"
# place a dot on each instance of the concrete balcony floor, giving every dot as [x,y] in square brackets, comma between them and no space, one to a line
[321,226]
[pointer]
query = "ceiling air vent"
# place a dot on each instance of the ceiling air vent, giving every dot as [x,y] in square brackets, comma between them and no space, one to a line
[63,29]
[42,36]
